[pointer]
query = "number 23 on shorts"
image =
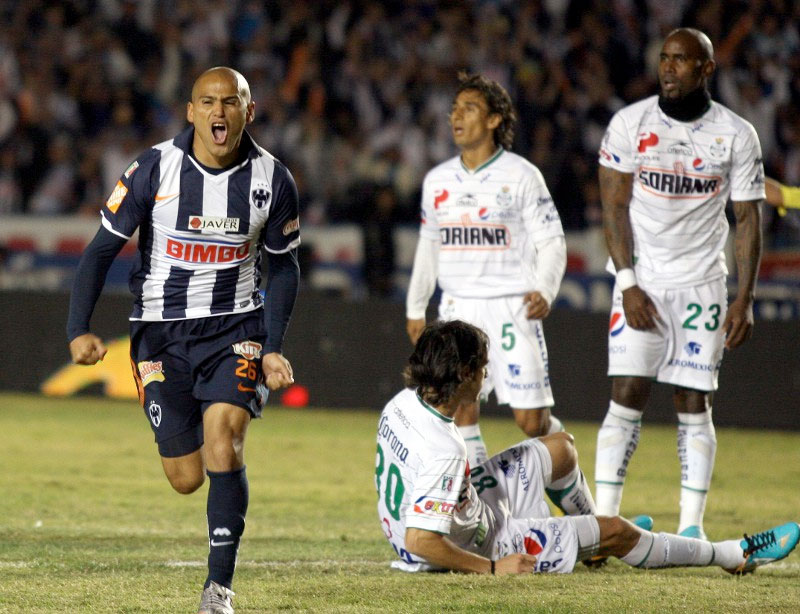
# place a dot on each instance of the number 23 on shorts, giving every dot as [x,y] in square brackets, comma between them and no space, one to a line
[710,320]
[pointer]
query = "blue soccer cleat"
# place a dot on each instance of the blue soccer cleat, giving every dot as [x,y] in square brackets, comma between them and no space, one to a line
[767,547]
[695,531]
[643,521]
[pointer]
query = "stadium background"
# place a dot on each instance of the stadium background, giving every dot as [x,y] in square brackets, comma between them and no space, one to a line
[353,96]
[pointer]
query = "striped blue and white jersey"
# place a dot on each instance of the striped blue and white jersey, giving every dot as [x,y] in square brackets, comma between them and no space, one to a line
[201,230]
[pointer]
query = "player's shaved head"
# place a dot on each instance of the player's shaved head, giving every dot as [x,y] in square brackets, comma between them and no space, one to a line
[221,73]
[697,43]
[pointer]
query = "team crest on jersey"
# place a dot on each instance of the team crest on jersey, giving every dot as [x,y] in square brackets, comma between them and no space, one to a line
[150,371]
[115,200]
[129,171]
[260,197]
[247,349]
[154,413]
[504,197]
[291,226]
[718,147]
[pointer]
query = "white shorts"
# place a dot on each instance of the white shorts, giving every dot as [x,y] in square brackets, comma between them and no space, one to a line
[512,484]
[517,370]
[685,350]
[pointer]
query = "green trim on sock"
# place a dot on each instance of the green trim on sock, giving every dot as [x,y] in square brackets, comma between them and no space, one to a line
[611,413]
[478,438]
[649,550]
[611,483]
[694,489]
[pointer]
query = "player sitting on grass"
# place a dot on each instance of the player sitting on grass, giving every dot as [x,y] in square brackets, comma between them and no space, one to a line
[438,513]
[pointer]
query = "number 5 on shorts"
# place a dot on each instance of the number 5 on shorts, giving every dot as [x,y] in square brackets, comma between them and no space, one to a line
[509,339]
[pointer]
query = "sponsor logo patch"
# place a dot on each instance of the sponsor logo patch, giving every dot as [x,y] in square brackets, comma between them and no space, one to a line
[692,348]
[247,349]
[514,370]
[210,224]
[291,226]
[475,236]
[150,371]
[433,507]
[206,251]
[616,324]
[439,197]
[647,140]
[447,482]
[535,542]
[115,200]
[130,170]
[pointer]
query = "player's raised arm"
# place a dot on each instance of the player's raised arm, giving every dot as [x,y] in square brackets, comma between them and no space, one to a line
[738,325]
[615,194]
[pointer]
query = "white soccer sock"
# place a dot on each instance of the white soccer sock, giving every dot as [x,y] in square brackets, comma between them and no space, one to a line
[656,550]
[476,449]
[697,446]
[555,425]
[572,494]
[616,442]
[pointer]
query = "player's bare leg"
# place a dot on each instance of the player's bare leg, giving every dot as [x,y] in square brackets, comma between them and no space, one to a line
[697,446]
[224,430]
[537,422]
[617,440]
[185,473]
[466,419]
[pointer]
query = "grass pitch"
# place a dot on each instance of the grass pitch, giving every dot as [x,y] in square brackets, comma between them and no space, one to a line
[89,523]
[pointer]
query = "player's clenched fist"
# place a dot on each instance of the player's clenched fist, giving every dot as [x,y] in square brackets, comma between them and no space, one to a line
[87,349]
[515,564]
[277,371]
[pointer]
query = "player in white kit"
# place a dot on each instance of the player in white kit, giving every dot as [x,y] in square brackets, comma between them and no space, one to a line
[438,512]
[668,165]
[492,237]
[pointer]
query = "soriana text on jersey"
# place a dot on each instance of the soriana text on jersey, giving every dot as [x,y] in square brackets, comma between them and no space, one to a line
[674,184]
[479,236]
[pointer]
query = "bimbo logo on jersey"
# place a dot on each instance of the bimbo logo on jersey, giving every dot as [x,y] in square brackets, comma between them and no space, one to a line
[206,251]
[483,236]
[672,184]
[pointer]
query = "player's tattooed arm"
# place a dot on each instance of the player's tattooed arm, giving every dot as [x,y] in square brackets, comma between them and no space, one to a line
[615,194]
[738,325]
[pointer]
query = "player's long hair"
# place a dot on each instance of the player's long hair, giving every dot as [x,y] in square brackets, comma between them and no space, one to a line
[498,101]
[446,354]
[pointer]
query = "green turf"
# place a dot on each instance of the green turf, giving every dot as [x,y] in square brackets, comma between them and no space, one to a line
[89,524]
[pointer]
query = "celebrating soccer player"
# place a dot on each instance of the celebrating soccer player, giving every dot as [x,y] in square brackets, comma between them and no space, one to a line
[492,236]
[668,165]
[439,512]
[203,346]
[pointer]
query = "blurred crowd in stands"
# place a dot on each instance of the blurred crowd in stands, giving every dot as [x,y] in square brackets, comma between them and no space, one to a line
[353,95]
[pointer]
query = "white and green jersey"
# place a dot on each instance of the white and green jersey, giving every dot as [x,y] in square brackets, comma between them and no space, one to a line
[487,223]
[422,479]
[684,174]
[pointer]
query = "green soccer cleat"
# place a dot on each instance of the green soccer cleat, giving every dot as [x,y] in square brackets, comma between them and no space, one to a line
[767,547]
[216,599]
[695,531]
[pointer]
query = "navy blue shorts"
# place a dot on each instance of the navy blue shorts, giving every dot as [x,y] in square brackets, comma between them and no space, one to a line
[182,367]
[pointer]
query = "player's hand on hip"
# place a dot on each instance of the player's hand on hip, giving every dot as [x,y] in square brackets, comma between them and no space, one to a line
[538,307]
[738,324]
[515,564]
[414,329]
[640,312]
[277,371]
[87,349]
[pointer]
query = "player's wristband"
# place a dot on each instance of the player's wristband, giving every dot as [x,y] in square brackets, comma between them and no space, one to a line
[492,562]
[626,278]
[791,197]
